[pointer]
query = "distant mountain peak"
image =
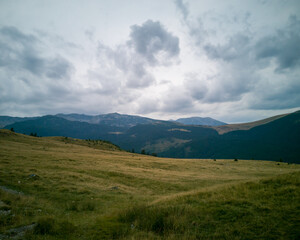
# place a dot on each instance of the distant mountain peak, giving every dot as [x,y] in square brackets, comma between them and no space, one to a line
[113,114]
[200,121]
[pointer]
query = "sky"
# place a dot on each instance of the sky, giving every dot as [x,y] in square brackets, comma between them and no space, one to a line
[235,61]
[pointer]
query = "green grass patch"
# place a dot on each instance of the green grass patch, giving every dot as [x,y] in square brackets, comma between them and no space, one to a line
[268,209]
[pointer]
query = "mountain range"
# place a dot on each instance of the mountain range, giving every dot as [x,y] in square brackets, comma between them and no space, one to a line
[276,138]
[111,119]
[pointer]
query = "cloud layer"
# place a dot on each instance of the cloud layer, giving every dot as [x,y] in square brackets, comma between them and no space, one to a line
[231,61]
[30,78]
[259,71]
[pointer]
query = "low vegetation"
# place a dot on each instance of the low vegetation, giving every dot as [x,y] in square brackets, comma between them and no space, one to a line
[63,188]
[252,210]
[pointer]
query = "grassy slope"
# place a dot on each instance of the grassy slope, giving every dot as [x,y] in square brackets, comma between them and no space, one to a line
[91,190]
[246,126]
[267,209]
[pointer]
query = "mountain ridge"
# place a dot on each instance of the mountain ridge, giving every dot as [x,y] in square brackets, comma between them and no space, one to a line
[273,138]
[246,126]
[113,119]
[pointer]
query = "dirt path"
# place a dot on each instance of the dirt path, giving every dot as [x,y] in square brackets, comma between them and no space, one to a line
[17,233]
[9,190]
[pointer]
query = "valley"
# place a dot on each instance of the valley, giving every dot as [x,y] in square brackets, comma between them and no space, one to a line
[150,120]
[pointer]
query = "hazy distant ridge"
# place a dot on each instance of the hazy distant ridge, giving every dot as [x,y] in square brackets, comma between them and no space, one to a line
[200,121]
[112,119]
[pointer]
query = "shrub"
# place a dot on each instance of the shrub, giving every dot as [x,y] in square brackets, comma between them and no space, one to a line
[159,220]
[108,228]
[66,227]
[46,225]
[88,206]
[50,226]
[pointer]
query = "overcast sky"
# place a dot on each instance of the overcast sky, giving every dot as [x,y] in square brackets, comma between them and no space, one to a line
[232,60]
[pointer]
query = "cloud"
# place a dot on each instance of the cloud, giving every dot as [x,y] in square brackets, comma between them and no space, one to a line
[31,77]
[283,46]
[244,60]
[18,49]
[148,105]
[139,77]
[102,83]
[13,34]
[176,99]
[236,47]
[124,64]
[247,62]
[58,68]
[152,41]
[229,85]
[196,86]
[182,8]
[277,92]
[177,103]
[150,45]
[22,51]
[195,26]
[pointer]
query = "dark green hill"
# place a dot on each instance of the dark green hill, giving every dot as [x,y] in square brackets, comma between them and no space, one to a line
[55,126]
[246,126]
[275,140]
[156,137]
[6,120]
[279,139]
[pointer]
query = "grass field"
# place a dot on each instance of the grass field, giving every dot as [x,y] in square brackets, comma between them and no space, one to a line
[77,189]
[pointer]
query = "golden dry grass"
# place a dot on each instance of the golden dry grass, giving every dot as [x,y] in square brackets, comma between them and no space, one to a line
[85,182]
[245,126]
